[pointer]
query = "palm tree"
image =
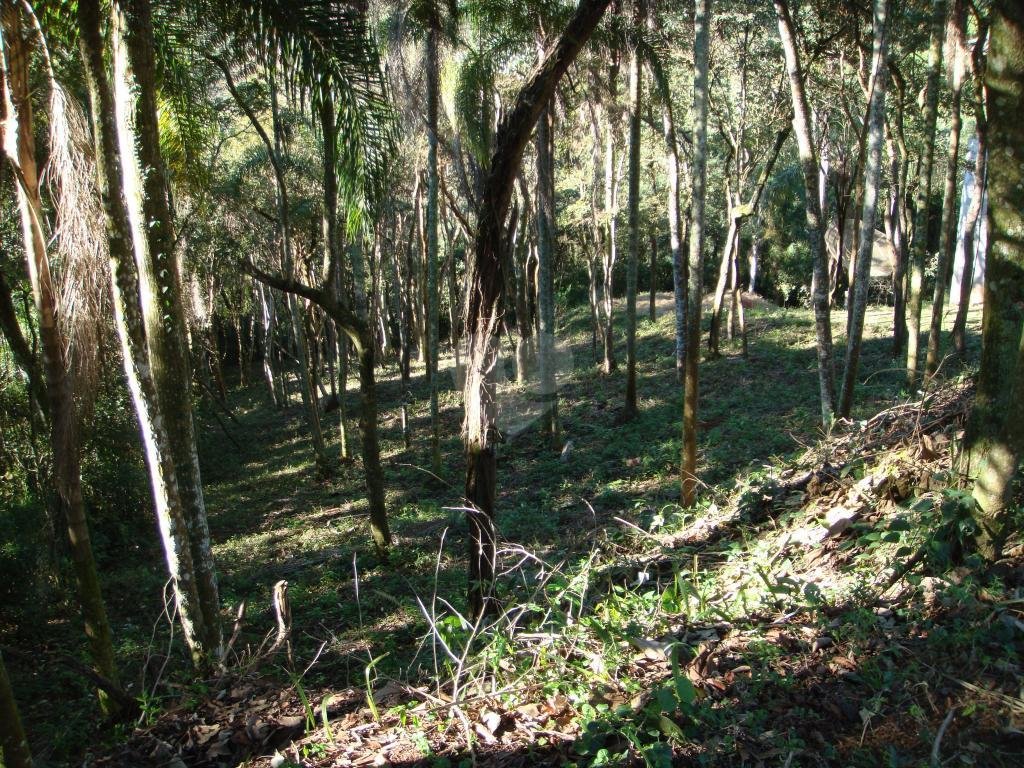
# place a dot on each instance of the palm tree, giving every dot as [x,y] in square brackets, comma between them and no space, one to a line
[16,129]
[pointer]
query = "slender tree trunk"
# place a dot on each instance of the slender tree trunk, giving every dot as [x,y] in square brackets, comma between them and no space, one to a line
[714,333]
[947,231]
[546,239]
[815,224]
[680,273]
[146,193]
[13,742]
[994,444]
[611,212]
[872,176]
[919,246]
[16,341]
[268,317]
[635,98]
[701,46]
[433,74]
[130,324]
[379,531]
[652,311]
[482,306]
[16,126]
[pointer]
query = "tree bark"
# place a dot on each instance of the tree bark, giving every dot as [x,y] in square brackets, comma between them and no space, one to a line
[815,224]
[680,271]
[872,176]
[922,201]
[130,324]
[701,46]
[994,444]
[146,193]
[635,98]
[16,128]
[482,307]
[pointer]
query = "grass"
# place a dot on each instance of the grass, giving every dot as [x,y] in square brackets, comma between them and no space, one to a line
[572,531]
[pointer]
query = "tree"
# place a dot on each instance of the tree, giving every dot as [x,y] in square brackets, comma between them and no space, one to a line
[131,330]
[13,744]
[633,257]
[994,443]
[432,67]
[872,175]
[146,194]
[16,131]
[919,244]
[695,293]
[812,205]
[947,228]
[973,217]
[482,314]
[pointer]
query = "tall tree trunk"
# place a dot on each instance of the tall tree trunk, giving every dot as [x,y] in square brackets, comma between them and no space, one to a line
[611,206]
[815,224]
[701,46]
[896,215]
[546,239]
[872,175]
[13,742]
[16,126]
[635,97]
[922,201]
[146,194]
[482,305]
[680,273]
[994,444]
[947,231]
[130,324]
[433,88]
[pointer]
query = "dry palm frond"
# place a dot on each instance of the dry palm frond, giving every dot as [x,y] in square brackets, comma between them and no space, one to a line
[79,239]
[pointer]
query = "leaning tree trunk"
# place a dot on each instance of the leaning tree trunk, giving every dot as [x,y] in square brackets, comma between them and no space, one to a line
[16,130]
[482,306]
[146,193]
[13,742]
[633,257]
[130,324]
[922,201]
[994,444]
[701,45]
[546,240]
[872,175]
[815,224]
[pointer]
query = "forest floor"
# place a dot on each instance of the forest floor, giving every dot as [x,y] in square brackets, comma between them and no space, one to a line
[813,610]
